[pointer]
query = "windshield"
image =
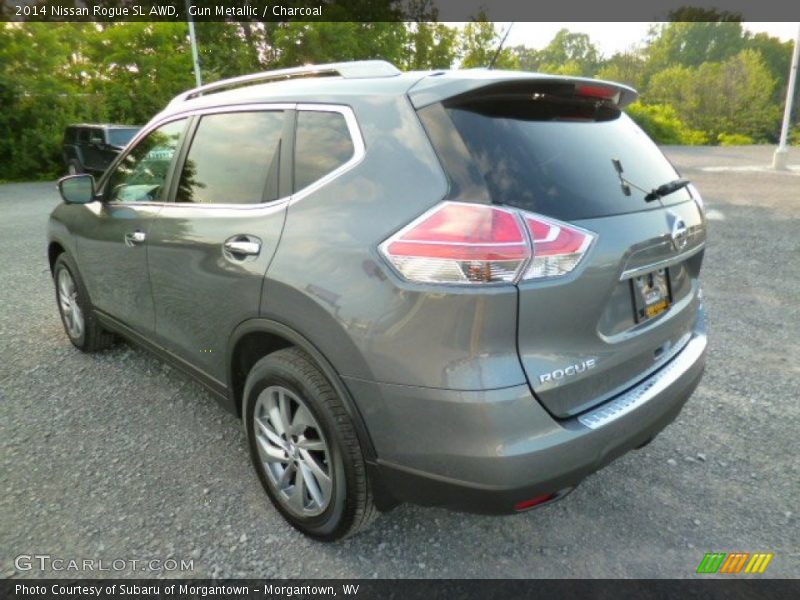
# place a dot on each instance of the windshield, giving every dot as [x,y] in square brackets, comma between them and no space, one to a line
[552,158]
[120,137]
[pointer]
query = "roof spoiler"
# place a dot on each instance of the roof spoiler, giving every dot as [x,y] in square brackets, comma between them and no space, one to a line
[446,85]
[347,70]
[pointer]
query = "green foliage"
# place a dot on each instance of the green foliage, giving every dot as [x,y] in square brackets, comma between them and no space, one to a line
[734,139]
[702,78]
[429,44]
[731,96]
[567,54]
[624,67]
[690,44]
[300,42]
[35,107]
[479,42]
[661,122]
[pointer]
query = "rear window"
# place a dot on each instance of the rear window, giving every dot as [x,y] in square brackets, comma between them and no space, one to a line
[322,145]
[121,137]
[549,157]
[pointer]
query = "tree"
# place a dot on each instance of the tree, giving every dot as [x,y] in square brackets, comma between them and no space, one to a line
[479,41]
[138,67]
[429,44]
[691,44]
[231,49]
[40,90]
[727,97]
[569,54]
[300,42]
[624,67]
[777,56]
[662,123]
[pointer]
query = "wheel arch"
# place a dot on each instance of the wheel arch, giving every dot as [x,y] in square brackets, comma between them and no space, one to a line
[54,250]
[255,338]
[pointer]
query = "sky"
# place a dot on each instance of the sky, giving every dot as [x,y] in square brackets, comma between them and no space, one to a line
[614,37]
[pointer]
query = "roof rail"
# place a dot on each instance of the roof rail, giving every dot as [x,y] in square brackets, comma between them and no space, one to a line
[348,70]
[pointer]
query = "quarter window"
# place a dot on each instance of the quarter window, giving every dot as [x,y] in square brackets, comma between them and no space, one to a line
[322,145]
[140,176]
[234,159]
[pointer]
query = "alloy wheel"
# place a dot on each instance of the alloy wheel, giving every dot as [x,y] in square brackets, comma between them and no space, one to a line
[68,303]
[293,452]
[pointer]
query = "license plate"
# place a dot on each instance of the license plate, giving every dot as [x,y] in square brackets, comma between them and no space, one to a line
[651,294]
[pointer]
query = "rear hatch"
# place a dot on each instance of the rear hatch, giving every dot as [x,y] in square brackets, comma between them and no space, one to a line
[563,149]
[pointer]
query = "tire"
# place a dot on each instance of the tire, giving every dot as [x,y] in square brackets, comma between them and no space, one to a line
[285,390]
[74,306]
[74,168]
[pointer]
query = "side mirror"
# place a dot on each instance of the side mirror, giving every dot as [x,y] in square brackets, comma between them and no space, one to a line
[77,189]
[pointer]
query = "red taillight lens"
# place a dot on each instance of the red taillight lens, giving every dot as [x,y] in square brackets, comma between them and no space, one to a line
[460,243]
[533,501]
[557,247]
[477,243]
[597,91]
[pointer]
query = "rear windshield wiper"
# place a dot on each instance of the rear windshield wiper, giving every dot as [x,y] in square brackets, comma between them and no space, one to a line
[666,189]
[654,194]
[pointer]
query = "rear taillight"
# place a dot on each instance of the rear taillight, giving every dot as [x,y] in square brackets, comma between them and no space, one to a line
[476,243]
[557,247]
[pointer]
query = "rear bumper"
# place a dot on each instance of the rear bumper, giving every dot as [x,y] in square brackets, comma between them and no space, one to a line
[487,451]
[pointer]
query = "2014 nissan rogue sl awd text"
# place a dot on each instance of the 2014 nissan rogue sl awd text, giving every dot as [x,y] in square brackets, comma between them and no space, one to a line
[466,288]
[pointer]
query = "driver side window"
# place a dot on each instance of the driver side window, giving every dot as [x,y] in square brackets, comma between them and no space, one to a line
[140,176]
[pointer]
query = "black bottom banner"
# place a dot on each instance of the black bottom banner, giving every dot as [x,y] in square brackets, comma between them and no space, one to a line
[405,589]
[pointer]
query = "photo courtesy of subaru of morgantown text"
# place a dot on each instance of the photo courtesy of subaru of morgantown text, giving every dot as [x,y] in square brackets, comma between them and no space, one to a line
[468,289]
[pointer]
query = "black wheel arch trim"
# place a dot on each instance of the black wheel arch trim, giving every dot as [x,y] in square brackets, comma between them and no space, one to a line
[263,325]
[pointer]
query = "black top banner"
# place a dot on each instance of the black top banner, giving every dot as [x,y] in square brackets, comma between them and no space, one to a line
[406,589]
[399,10]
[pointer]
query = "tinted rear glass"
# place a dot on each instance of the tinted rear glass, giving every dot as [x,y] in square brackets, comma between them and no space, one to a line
[120,137]
[322,145]
[552,158]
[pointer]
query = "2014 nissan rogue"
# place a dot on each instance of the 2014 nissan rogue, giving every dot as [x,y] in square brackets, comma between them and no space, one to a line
[465,288]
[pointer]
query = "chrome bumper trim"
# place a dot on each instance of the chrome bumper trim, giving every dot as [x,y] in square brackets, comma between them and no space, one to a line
[667,262]
[648,389]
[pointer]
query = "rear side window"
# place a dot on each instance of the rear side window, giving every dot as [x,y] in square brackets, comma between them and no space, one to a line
[234,159]
[322,145]
[120,137]
[547,157]
[96,136]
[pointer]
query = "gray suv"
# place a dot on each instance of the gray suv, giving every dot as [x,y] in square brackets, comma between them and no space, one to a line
[468,289]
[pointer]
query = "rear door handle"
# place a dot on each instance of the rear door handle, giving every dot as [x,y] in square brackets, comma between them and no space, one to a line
[242,246]
[134,238]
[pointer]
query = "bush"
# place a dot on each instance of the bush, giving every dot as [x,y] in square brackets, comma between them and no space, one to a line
[734,139]
[661,122]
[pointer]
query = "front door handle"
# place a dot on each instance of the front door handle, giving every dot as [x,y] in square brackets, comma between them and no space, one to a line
[242,247]
[134,238]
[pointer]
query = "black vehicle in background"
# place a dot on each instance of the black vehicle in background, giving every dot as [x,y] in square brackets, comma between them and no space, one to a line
[90,148]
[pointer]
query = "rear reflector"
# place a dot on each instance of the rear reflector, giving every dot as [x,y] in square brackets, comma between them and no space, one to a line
[457,242]
[533,501]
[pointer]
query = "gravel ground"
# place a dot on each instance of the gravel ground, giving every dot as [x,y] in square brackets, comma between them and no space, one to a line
[116,455]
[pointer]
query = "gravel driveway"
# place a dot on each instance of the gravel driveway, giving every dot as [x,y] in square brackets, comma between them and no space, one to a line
[117,456]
